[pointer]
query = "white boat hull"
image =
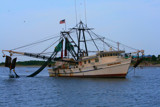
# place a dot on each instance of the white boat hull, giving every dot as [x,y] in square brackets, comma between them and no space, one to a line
[105,70]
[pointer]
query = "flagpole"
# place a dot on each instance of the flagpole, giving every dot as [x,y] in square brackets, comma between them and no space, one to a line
[63,22]
[65,25]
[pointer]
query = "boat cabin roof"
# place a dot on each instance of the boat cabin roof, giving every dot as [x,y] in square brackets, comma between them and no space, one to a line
[110,52]
[103,54]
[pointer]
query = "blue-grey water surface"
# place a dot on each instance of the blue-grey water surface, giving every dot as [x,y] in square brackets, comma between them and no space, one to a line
[139,90]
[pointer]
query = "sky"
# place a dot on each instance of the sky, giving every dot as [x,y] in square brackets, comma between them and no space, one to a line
[135,23]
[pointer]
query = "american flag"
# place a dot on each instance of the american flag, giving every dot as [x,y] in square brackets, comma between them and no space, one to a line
[62,21]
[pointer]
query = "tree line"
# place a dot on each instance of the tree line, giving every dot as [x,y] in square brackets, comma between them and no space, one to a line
[27,63]
[152,60]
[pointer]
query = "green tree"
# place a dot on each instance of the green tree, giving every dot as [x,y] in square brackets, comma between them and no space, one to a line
[158,57]
[154,58]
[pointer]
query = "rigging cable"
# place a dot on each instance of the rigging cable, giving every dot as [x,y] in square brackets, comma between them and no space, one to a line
[104,41]
[121,44]
[129,47]
[114,42]
[48,47]
[34,43]
[44,64]
[93,40]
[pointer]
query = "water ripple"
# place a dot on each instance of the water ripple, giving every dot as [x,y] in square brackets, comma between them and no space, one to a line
[139,90]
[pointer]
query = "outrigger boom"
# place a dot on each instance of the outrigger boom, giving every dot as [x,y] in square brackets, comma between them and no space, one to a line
[35,56]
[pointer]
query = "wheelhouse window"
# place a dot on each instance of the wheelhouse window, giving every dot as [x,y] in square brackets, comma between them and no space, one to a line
[89,61]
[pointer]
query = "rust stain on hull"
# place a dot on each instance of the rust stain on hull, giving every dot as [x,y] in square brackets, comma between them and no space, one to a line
[96,76]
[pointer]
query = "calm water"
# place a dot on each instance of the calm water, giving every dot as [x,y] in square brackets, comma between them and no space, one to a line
[139,90]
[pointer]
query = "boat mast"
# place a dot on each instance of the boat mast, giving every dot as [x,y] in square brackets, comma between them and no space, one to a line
[66,35]
[79,36]
[84,40]
[81,30]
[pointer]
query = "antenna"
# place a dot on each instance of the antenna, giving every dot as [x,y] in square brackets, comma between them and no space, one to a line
[76,11]
[85,11]
[81,11]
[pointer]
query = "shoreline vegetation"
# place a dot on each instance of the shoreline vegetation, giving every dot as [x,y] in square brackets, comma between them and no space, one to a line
[31,63]
[152,61]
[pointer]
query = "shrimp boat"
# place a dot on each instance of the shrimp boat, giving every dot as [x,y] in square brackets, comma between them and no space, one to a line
[78,54]
[110,63]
